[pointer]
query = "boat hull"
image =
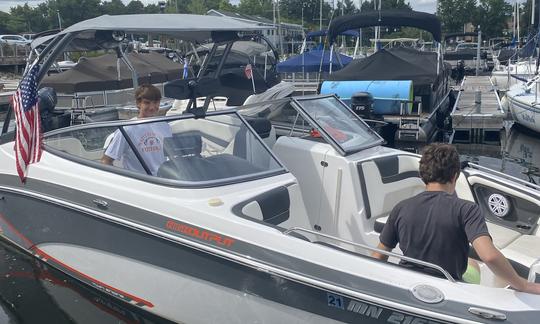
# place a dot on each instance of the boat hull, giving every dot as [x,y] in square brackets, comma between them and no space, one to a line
[174,281]
[524,111]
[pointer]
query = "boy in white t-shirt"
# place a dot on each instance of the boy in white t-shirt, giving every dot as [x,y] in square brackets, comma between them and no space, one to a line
[147,138]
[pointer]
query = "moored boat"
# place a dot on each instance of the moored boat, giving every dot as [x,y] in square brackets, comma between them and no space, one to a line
[266,213]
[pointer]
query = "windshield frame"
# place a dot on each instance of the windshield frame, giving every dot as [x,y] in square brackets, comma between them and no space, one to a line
[158,180]
[297,103]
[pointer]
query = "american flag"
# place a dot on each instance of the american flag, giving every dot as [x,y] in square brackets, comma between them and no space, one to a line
[28,134]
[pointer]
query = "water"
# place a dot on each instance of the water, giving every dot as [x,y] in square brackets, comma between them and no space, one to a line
[32,292]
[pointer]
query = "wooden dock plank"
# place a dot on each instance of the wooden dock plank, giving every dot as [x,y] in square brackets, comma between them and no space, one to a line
[467,114]
[477,122]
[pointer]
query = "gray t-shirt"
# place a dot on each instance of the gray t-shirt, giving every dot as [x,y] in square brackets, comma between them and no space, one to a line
[148,139]
[436,227]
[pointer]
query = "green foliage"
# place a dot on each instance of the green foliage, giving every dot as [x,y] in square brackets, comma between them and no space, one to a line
[197,7]
[454,14]
[386,4]
[113,7]
[293,10]
[135,7]
[525,16]
[225,5]
[491,17]
[256,7]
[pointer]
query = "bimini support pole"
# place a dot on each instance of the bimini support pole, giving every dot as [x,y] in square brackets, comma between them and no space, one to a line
[438,57]
[330,58]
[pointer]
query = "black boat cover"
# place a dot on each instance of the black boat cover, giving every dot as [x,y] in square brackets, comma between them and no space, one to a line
[100,73]
[454,35]
[390,18]
[398,63]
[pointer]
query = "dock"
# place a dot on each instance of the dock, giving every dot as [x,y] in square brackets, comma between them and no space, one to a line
[477,115]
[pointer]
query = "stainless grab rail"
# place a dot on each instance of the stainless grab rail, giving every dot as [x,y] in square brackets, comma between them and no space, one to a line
[503,175]
[369,248]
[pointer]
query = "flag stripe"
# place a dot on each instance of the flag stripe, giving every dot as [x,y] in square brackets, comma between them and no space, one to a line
[28,135]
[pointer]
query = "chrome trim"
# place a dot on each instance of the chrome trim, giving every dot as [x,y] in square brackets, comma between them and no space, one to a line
[487,313]
[504,175]
[372,249]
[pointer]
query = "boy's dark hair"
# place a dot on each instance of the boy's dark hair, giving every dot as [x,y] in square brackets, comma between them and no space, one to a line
[439,163]
[148,92]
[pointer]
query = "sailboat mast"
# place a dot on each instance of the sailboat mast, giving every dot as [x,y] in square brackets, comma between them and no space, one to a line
[532,13]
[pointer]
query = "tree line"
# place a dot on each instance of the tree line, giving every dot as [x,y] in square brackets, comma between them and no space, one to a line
[491,15]
[45,16]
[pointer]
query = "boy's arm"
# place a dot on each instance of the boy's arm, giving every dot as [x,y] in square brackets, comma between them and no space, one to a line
[381,256]
[498,263]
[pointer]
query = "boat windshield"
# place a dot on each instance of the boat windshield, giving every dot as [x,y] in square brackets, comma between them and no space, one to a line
[214,149]
[339,124]
[318,118]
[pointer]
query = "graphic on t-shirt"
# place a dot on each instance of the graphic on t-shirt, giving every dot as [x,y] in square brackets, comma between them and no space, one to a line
[149,142]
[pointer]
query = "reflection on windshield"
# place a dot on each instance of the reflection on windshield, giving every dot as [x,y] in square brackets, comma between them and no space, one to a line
[217,147]
[340,124]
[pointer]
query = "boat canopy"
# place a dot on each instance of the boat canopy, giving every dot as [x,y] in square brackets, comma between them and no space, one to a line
[100,73]
[391,18]
[418,66]
[194,28]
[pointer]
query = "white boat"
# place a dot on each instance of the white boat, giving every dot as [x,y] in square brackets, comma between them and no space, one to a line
[264,216]
[505,76]
[523,102]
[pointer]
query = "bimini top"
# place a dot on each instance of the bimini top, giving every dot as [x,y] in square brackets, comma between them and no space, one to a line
[323,32]
[391,18]
[101,73]
[194,28]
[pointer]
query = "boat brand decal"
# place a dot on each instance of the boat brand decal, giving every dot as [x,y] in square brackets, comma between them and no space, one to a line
[374,312]
[199,233]
[364,309]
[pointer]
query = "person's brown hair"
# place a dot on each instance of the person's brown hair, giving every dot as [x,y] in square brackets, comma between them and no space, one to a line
[148,92]
[439,163]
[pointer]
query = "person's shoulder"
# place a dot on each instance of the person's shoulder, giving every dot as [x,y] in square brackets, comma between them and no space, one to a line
[411,201]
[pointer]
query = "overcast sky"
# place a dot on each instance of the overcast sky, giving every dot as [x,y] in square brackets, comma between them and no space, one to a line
[420,5]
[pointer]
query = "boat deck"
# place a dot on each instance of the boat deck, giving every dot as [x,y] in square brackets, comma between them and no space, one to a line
[477,116]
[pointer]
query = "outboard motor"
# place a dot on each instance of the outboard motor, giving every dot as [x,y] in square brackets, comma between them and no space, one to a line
[47,100]
[362,104]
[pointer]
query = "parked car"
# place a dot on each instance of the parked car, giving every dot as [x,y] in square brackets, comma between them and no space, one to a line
[29,36]
[14,40]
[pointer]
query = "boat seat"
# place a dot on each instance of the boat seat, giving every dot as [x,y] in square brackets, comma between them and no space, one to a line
[502,236]
[524,250]
[390,179]
[74,147]
[183,144]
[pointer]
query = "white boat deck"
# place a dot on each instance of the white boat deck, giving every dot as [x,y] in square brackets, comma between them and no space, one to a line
[477,113]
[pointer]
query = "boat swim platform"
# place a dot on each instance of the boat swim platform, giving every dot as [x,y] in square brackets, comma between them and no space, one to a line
[477,115]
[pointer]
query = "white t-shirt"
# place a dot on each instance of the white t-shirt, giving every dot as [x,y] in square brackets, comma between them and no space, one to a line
[147,138]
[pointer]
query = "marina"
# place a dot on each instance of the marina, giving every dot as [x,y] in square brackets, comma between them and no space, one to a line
[477,115]
[206,181]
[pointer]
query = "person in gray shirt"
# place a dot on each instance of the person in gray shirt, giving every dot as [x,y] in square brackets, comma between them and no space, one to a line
[436,226]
